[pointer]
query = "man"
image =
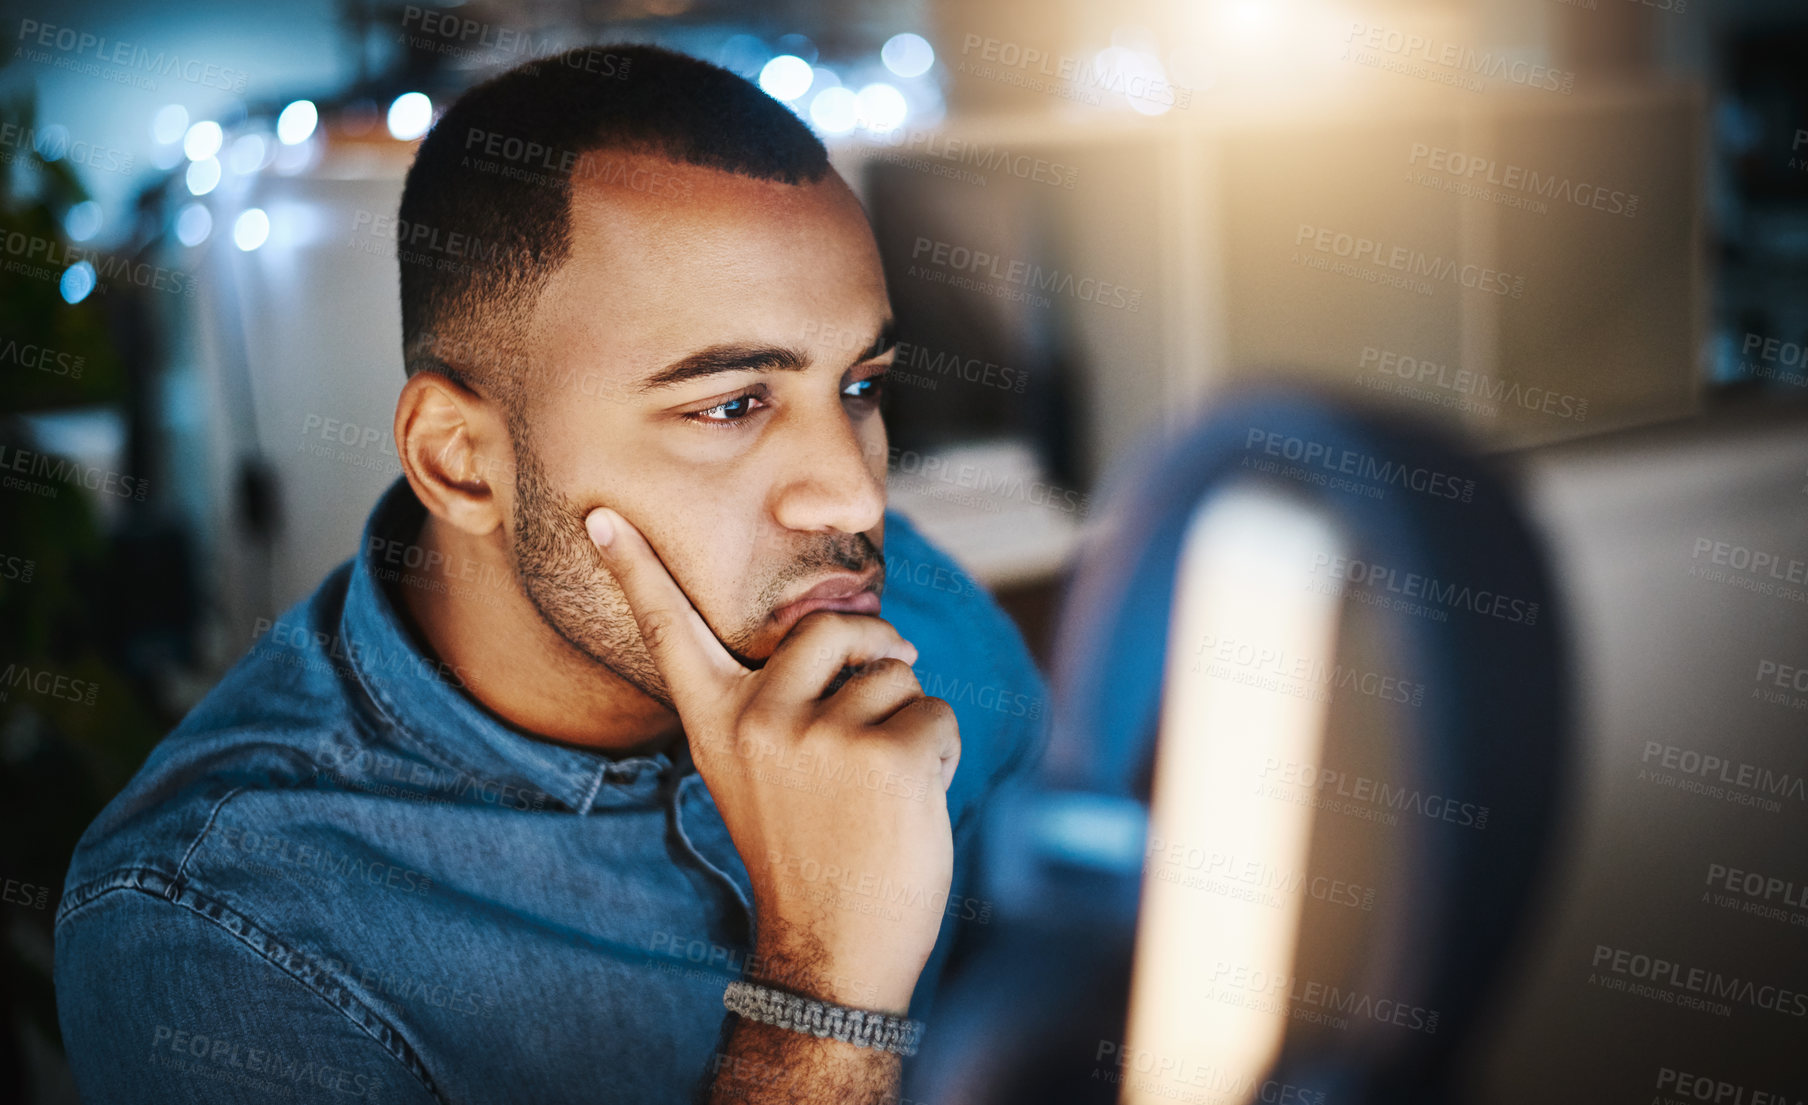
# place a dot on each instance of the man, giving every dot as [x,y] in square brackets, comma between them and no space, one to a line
[606,713]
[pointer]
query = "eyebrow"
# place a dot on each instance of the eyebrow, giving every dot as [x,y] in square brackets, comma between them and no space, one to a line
[740,357]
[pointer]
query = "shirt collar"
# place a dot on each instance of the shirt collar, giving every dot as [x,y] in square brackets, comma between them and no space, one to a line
[423,699]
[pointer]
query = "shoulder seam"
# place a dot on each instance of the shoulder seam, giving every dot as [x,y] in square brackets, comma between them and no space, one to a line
[212,815]
[264,946]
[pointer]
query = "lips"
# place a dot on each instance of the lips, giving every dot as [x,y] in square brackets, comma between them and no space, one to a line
[844,591]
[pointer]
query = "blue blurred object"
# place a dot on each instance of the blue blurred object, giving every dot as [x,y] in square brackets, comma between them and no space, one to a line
[1026,1022]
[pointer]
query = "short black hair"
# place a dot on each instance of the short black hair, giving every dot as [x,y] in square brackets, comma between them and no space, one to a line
[489,193]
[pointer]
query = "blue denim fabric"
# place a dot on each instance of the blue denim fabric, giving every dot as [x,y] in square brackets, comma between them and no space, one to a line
[342,879]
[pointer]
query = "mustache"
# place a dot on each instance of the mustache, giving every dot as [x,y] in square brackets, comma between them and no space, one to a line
[854,552]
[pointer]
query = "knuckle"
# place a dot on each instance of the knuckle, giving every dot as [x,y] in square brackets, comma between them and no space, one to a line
[938,710]
[889,672]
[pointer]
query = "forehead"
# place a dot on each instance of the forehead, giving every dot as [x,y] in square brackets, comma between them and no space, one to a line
[666,258]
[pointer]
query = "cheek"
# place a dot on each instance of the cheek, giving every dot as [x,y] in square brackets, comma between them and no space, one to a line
[875,446]
[720,558]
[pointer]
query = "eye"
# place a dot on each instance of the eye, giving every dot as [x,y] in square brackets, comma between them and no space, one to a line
[728,411]
[871,389]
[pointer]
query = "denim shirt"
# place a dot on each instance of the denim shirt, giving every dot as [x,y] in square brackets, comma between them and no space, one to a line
[340,878]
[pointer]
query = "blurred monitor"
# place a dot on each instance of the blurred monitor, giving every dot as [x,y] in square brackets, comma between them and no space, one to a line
[1664,959]
[1672,961]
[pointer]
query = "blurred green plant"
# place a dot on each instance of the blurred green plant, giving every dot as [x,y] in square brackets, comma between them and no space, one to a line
[61,758]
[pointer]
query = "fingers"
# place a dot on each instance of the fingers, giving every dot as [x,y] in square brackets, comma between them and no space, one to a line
[876,691]
[695,665]
[930,720]
[820,645]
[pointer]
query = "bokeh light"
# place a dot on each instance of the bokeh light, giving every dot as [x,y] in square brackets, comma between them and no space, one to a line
[410,116]
[251,230]
[203,141]
[297,122]
[907,55]
[786,77]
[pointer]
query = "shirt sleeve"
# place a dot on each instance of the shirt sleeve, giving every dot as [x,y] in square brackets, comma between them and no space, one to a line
[161,1005]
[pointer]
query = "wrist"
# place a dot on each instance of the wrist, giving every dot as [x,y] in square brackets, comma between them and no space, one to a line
[799,962]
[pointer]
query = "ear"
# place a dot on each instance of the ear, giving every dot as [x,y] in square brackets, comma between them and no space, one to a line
[456,452]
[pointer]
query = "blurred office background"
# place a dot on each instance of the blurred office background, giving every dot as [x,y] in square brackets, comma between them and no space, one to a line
[1533,221]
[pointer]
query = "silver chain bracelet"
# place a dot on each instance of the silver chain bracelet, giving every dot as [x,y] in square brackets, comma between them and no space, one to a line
[860,1027]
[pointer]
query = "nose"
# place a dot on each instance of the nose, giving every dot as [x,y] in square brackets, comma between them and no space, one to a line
[828,480]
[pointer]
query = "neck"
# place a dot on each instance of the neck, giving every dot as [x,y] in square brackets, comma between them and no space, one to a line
[481,622]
